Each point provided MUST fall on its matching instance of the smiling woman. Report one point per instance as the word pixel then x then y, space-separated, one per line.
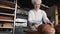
pixel 36 15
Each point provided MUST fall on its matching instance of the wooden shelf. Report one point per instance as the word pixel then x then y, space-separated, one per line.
pixel 7 7
pixel 6 27
pixel 7 14
pixel 7 20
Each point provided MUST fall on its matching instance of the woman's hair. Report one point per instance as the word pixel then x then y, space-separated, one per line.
pixel 33 1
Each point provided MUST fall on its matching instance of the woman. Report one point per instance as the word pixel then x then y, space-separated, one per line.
pixel 36 15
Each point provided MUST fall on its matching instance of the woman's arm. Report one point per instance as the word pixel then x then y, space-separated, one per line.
pixel 45 19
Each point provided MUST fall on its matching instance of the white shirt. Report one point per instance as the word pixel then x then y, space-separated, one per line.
pixel 37 16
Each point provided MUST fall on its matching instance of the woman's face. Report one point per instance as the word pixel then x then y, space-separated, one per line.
pixel 36 5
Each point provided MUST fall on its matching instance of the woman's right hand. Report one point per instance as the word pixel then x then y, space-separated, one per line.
pixel 35 25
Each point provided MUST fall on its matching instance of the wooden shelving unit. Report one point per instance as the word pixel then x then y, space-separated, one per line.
pixel 57 14
pixel 7 15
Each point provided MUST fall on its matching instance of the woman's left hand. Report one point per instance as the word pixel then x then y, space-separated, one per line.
pixel 50 24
